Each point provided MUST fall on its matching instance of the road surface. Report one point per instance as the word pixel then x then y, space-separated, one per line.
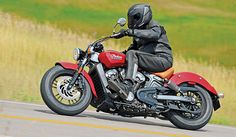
pixel 31 120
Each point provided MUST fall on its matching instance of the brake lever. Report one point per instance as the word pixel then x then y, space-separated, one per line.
pixel 114 35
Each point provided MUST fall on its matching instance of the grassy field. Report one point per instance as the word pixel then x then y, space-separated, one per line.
pixel 28 50
pixel 197 29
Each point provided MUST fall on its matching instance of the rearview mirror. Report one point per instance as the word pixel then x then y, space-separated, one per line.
pixel 121 22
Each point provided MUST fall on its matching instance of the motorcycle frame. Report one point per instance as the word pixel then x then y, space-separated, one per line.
pixel 177 78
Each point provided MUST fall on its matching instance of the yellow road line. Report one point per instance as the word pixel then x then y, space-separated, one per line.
pixel 92 125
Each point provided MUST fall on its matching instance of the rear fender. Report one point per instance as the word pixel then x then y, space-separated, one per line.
pixel 68 65
pixel 192 78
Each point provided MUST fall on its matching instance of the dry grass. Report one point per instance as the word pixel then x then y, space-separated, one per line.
pixel 28 50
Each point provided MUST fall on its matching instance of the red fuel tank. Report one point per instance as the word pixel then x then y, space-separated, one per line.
pixel 112 59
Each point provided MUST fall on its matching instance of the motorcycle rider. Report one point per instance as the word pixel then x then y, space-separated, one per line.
pixel 150 49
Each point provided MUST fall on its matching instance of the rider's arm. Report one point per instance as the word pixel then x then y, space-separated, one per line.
pixel 151 34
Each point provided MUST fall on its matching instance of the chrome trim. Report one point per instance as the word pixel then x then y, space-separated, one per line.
pixel 94 57
pixel 154 81
pixel 101 74
pixel 84 61
pixel 221 95
pixel 173 98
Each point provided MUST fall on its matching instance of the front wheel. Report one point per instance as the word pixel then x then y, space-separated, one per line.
pixel 60 100
pixel 193 121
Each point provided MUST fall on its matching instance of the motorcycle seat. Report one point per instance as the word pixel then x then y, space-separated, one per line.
pixel 165 74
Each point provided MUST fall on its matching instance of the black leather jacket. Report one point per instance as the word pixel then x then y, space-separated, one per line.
pixel 152 39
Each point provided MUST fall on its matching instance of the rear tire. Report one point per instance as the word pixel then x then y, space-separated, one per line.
pixel 53 103
pixel 180 121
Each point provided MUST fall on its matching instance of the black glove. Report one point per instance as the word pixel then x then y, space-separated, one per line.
pixel 121 34
pixel 130 32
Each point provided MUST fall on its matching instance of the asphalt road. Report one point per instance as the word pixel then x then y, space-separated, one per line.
pixel 31 120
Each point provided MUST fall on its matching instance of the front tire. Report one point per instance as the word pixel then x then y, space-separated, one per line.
pixel 181 121
pixel 56 101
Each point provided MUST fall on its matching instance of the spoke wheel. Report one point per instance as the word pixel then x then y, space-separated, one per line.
pixel 198 112
pixel 64 96
pixel 60 100
pixel 195 108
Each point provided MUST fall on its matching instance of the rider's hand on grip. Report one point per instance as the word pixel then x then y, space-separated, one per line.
pixel 121 34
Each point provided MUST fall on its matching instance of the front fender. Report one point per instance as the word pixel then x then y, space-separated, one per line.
pixel 183 77
pixel 68 65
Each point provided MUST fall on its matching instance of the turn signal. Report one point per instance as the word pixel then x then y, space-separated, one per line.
pixel 221 95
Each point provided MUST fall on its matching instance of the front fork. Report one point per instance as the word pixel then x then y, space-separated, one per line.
pixel 77 73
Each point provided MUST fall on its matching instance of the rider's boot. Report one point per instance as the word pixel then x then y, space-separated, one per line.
pixel 127 87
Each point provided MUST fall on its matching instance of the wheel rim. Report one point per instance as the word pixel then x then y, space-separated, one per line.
pixel 62 95
pixel 195 108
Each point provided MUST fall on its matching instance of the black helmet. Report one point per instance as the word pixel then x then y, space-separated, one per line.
pixel 139 15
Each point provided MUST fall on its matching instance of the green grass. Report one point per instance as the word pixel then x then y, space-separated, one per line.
pixel 203 30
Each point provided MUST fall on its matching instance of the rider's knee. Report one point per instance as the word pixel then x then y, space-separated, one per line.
pixel 131 52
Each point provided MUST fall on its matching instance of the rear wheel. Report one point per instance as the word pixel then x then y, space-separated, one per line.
pixel 60 100
pixel 199 111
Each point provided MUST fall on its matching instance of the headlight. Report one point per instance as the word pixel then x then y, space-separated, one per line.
pixel 76 54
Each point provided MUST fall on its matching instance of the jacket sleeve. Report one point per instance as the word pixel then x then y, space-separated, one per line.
pixel 153 33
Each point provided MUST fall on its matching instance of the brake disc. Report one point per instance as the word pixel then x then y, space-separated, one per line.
pixel 62 85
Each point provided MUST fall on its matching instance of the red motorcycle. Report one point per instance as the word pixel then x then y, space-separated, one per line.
pixel 185 99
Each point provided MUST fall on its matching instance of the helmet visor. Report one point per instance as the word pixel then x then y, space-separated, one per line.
pixel 134 20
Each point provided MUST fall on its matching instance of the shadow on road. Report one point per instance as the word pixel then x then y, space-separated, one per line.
pixel 115 118
pixel 52 113
pixel 128 120
pixel 110 117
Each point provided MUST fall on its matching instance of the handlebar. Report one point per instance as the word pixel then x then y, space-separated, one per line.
pixel 105 38
pixel 114 35
pixel 100 41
